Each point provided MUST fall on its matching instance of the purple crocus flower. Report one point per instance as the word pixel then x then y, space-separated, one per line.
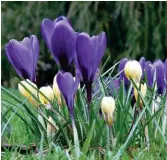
pixel 116 84
pixel 150 70
pixel 90 51
pixel 142 62
pixel 68 88
pixel 60 39
pixel 165 70
pixel 160 77
pixel 121 69
pixel 23 55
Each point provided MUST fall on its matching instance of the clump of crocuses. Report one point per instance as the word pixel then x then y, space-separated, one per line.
pixel 66 46
pixel 151 73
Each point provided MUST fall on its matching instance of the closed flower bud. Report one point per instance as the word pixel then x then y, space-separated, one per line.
pixel 33 101
pixel 48 92
pixel 27 90
pixel 108 107
pixel 143 90
pixel 133 70
pixel 24 86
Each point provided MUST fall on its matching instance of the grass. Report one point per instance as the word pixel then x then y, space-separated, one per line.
pixel 128 130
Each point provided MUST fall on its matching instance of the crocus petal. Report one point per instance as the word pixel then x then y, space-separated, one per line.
pixel 142 63
pixel 165 67
pixel 63 42
pixel 67 87
pixel 165 70
pixel 114 86
pixel 159 67
pixel 47 31
pixel 35 48
pixel 116 83
pixel 85 55
pixel 89 54
pixel 100 43
pixel 23 56
pixel 121 68
pixel 27 43
pixel 76 83
pixel 20 58
pixel 60 18
pixel 150 70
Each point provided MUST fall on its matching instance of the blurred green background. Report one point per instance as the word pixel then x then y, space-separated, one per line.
pixel 134 29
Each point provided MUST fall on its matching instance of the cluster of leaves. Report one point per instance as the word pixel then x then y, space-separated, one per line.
pixel 95 137
pixel 133 29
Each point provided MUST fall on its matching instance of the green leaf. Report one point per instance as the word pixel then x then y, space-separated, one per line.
pixel 88 139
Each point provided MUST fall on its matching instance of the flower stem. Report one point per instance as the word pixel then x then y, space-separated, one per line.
pixel 89 94
pixel 108 138
pixel 164 123
pixel 112 137
pixel 110 133
pixel 76 140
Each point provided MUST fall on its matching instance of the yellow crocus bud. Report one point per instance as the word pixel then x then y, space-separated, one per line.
pixel 56 91
pixel 143 90
pixel 48 92
pixel 33 101
pixel 133 70
pixel 108 107
pixel 24 86
pixel 23 90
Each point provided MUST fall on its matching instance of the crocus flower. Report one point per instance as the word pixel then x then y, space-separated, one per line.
pixel 133 70
pixel 56 91
pixel 48 92
pixel 90 51
pixel 143 90
pixel 165 71
pixel 160 77
pixel 108 108
pixel 60 39
pixel 27 89
pixel 23 55
pixel 142 62
pixel 68 87
pixel 121 69
pixel 114 86
pixel 150 70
